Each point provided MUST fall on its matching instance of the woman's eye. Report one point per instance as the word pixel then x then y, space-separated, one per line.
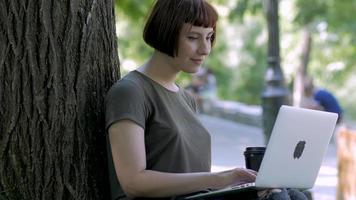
pixel 192 38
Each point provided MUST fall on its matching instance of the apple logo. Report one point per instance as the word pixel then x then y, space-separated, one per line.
pixel 299 148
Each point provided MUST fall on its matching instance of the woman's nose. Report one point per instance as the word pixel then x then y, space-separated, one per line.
pixel 204 47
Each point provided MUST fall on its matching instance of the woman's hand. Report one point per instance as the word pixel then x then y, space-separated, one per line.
pixel 243 175
pixel 236 176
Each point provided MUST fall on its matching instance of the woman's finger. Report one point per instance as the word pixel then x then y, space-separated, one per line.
pixel 262 193
pixel 252 171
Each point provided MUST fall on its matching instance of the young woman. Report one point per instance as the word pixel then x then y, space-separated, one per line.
pixel 159 149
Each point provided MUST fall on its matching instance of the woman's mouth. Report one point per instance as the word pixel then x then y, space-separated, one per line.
pixel 197 60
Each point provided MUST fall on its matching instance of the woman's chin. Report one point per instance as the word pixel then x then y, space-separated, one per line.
pixel 193 70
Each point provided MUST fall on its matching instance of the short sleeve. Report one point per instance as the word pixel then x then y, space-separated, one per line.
pixel 125 100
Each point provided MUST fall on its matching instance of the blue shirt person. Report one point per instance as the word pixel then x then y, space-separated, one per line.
pixel 323 99
pixel 328 101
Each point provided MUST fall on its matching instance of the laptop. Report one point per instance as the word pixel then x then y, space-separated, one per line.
pixel 294 153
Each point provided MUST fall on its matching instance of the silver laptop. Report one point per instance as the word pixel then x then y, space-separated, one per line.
pixel 294 153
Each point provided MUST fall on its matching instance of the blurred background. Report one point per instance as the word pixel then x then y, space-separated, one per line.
pixel 316 37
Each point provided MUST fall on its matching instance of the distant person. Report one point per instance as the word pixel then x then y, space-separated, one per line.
pixel 203 88
pixel 195 86
pixel 208 88
pixel 158 147
pixel 203 84
pixel 321 99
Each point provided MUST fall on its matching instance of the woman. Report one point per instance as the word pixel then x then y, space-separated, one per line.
pixel 159 148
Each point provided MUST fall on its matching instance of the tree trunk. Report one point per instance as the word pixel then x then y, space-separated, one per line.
pixel 57 60
pixel 302 71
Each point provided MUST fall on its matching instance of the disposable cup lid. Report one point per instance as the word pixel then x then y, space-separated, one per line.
pixel 255 149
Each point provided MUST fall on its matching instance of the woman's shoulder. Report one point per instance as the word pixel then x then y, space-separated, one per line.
pixel 129 85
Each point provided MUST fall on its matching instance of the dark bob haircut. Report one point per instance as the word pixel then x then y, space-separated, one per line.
pixel 167 18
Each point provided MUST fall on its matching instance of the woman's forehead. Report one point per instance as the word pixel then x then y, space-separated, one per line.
pixel 196 29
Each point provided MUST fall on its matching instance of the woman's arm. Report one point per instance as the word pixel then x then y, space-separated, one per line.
pixel 128 151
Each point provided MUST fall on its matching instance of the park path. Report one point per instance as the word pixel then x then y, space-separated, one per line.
pixel 229 140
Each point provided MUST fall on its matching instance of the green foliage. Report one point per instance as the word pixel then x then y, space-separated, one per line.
pixel 249 77
pixel 340 16
pixel 243 7
pixel 309 11
pixel 333 68
pixel 332 60
pixel 131 16
pixel 133 9
pixel 223 74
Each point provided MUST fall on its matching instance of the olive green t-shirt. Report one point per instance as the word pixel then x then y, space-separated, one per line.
pixel 175 140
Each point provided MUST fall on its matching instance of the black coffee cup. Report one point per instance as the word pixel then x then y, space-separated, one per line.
pixel 253 157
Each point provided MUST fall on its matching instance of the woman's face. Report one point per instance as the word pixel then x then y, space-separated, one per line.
pixel 194 45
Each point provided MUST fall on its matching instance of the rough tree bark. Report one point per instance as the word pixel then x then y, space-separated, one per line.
pixel 57 60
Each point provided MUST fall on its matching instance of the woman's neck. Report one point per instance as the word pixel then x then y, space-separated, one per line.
pixel 158 68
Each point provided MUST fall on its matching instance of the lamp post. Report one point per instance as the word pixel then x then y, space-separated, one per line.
pixel 275 93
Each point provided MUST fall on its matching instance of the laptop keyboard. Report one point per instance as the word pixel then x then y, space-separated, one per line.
pixel 242 185
pixel 202 194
